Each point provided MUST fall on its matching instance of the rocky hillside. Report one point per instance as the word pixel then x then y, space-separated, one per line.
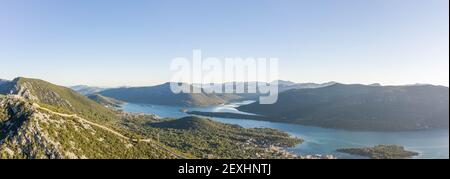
pixel 58 98
pixel 30 131
pixel 42 120
pixel 87 90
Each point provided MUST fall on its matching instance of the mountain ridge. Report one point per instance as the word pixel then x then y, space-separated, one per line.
pixel 162 94
pixel 87 90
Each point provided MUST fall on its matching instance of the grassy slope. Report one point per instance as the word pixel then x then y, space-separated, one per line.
pixel 65 100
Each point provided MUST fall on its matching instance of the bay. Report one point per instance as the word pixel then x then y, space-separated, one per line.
pixel 319 141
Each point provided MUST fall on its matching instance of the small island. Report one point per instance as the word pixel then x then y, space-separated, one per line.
pixel 381 152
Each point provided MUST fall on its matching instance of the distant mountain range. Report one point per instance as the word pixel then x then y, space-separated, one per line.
pixel 161 94
pixel 361 107
pixel 282 85
pixel 87 90
pixel 285 87
pixel 330 105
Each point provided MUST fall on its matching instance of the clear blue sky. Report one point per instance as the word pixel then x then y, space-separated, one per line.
pixel 119 42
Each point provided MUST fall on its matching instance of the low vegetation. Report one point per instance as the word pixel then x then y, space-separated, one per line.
pixel 205 138
pixel 42 120
pixel 381 152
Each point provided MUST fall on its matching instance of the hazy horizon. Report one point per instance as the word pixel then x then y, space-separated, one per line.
pixel 121 43
pixel 160 83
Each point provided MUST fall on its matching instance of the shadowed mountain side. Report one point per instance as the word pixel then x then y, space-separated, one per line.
pixel 361 107
pixel 163 95
pixel 105 101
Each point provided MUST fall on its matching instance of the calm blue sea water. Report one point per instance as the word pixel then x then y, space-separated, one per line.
pixel 430 144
